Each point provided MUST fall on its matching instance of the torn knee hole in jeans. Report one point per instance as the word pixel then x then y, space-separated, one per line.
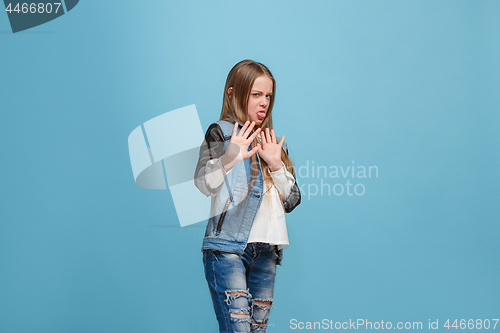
pixel 261 303
pixel 240 315
pixel 233 294
pixel 259 324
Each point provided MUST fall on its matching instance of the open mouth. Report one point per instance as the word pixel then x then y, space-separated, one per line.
pixel 261 115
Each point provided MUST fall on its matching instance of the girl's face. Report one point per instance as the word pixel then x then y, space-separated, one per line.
pixel 260 97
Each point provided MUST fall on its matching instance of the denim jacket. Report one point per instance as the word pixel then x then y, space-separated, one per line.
pixel 233 211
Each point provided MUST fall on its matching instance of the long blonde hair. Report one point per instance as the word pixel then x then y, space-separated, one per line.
pixel 235 107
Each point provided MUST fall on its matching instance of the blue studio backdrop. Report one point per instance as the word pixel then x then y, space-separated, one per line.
pixel 391 114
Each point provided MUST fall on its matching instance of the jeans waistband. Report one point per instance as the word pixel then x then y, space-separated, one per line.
pixel 259 244
pixel 263 246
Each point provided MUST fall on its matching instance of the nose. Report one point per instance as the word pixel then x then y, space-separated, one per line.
pixel 263 102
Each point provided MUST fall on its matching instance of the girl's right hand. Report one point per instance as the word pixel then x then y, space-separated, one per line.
pixel 237 150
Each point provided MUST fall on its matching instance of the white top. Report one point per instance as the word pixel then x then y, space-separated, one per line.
pixel 269 225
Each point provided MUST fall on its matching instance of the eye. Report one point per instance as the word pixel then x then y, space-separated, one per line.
pixel 256 94
pixel 269 96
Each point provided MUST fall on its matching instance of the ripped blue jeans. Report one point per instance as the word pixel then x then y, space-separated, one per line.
pixel 242 286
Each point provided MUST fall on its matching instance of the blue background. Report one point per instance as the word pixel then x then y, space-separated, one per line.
pixel 408 86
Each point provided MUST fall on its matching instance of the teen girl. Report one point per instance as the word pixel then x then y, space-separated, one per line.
pixel 251 180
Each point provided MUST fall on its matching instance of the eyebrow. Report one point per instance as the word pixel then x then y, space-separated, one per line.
pixel 262 92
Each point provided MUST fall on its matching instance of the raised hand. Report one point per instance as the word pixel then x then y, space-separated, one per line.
pixel 271 150
pixel 237 149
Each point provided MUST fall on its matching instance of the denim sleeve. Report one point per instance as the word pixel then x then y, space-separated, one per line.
pixel 293 199
pixel 211 148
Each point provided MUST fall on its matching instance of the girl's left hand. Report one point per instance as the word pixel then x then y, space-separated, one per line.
pixel 270 150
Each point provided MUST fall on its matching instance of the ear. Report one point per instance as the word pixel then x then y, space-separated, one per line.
pixel 229 91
